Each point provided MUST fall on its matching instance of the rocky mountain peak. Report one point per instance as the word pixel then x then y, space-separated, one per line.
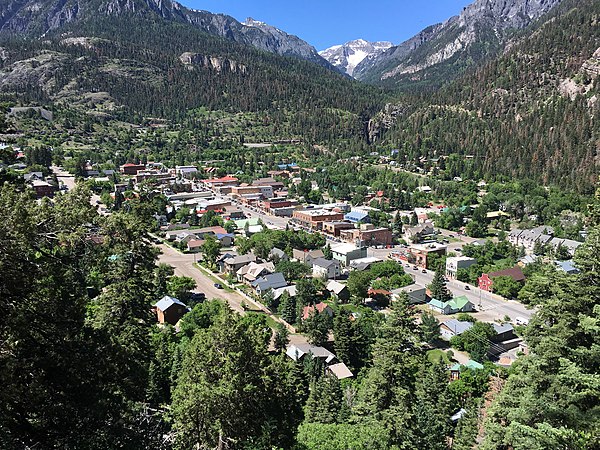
pixel 347 56
pixel 485 22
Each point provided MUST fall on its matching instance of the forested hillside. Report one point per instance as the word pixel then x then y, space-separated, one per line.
pixel 530 112
pixel 128 68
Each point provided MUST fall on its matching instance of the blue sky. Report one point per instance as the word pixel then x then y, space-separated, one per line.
pixel 324 23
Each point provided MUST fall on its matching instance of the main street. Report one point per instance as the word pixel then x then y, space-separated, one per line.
pixel 489 306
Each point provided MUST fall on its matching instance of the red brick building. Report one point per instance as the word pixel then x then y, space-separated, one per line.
pixel 486 280
pixel 131 169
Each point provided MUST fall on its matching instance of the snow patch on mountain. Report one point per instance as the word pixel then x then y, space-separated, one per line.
pixel 349 55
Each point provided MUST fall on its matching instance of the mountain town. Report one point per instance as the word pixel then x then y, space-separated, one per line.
pixel 374 246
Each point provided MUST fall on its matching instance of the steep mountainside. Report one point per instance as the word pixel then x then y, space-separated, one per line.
pixel 347 56
pixel 531 112
pixel 134 66
pixel 38 17
pixel 444 50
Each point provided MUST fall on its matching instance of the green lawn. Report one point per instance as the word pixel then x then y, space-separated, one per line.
pixel 436 354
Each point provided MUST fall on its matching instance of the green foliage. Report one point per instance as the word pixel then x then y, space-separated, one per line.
pixel 211 249
pixel 292 270
pixel 316 327
pixel 551 396
pixel 506 287
pixel 430 327
pixel 476 340
pixel 181 287
pixel 324 401
pixel 282 337
pixel 343 436
pixel 230 390
pixel 438 288
pixel 288 308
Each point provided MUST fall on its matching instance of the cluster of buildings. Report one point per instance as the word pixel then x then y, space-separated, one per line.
pixel 540 236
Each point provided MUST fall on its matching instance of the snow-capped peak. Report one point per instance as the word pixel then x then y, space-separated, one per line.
pixel 347 56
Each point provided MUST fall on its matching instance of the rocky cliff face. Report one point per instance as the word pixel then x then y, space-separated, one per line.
pixel 481 28
pixel 349 55
pixel 216 63
pixel 38 17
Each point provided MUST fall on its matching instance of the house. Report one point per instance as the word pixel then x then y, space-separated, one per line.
pixel 357 216
pixel 486 280
pixel 379 295
pixel 42 188
pixel 325 268
pixel 569 244
pixel 527 239
pixel 457 368
pixel 454 327
pixel 492 215
pixel 298 351
pixel 416 293
pixel 504 332
pixel 456 305
pixel 364 263
pixel 419 232
pixel 234 263
pixel 227 181
pixel 455 263
pixel 278 292
pixel 345 253
pixel 186 171
pixel 306 256
pixel 339 290
pixel 277 255
pixel 269 281
pixel 566 267
pixel 252 271
pixel 340 371
pixel 195 245
pixel 170 310
pixel 319 308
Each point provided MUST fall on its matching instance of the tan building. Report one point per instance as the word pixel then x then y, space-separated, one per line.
pixel 314 218
pixel 335 228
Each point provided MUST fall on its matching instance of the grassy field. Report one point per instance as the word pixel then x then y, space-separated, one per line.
pixel 435 355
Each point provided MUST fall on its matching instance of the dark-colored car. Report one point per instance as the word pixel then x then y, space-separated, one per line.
pixel 467 287
pixel 415 268
pixel 424 271
pixel 218 285
pixel 198 296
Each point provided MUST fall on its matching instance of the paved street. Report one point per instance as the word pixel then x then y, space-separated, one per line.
pixel 183 264
pixel 490 307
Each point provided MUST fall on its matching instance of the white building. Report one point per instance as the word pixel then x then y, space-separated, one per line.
pixel 345 253
pixel 453 264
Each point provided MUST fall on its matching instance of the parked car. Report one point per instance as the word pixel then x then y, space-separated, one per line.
pixel 424 271
pixel 467 287
pixel 218 285
pixel 415 268
pixel 198 296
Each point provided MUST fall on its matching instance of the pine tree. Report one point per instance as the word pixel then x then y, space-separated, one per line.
pixel 438 288
pixel 288 308
pixel 281 338
pixel 324 401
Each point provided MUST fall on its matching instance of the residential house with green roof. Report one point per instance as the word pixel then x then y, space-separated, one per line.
pixel 456 305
